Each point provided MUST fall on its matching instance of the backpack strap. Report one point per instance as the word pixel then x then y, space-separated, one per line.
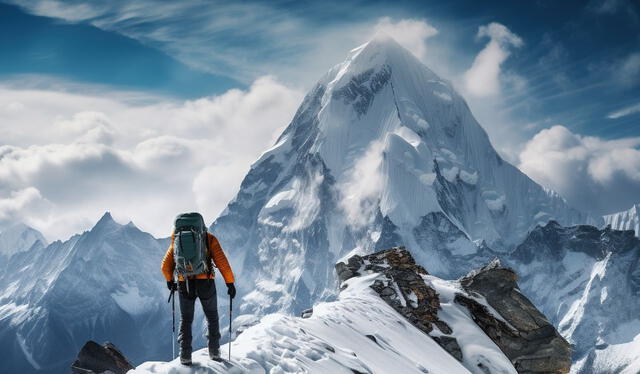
pixel 208 256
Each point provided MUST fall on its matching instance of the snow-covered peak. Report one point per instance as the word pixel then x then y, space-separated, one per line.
pixel 625 220
pixel 105 225
pixel 106 219
pixel 18 238
pixel 381 153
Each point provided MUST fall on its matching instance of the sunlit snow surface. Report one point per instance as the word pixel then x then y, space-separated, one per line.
pixel 359 333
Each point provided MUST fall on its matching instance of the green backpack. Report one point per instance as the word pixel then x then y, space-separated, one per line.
pixel 191 245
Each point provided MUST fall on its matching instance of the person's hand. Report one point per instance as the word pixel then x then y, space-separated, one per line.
pixel 172 286
pixel 231 290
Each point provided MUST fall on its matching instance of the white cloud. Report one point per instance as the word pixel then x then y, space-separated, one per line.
pixel 145 162
pixel 18 202
pixel 627 111
pixel 411 33
pixel 483 78
pixel 597 175
pixel 361 190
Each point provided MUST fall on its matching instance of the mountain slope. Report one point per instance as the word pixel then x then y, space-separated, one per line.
pixel 587 281
pixel 104 284
pixel 381 153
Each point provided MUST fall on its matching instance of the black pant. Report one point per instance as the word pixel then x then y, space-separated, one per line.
pixel 205 290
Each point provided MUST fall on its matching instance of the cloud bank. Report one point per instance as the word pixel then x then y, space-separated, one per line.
pixel 75 156
pixel 593 174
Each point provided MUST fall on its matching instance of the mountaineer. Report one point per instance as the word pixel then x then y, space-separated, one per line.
pixel 191 255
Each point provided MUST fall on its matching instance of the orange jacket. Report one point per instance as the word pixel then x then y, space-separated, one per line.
pixel 215 251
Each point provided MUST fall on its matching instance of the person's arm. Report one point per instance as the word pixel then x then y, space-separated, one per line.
pixel 168 264
pixel 218 257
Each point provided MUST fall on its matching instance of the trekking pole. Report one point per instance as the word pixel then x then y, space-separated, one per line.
pixel 230 311
pixel 173 323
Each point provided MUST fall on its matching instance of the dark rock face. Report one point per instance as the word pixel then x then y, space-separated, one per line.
pixel 362 88
pixel 404 290
pixel 525 335
pixel 490 294
pixel 97 359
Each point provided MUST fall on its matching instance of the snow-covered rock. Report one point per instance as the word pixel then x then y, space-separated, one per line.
pixel 382 152
pixel 521 331
pixel 587 282
pixel 625 220
pixel 490 296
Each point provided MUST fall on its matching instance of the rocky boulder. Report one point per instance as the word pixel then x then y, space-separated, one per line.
pixel 521 331
pixel 490 295
pixel 100 359
pixel 402 287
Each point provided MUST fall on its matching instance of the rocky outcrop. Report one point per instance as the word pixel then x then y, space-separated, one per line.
pixel 402 287
pixel 521 331
pixel 491 296
pixel 100 359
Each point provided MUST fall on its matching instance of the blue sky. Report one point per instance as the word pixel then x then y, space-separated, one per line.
pixel 555 83
pixel 572 57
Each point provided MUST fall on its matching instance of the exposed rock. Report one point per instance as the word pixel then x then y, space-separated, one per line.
pixel 307 313
pixel 100 359
pixel 521 331
pixel 404 290
pixel 450 344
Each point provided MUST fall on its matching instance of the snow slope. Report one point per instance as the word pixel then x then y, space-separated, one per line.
pixel 358 333
pixel 381 153
pixel 587 282
pixel 626 220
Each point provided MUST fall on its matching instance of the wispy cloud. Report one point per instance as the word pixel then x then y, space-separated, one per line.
pixel 624 111
pixel 412 33
pixel 483 78
pixel 626 72
pixel 242 40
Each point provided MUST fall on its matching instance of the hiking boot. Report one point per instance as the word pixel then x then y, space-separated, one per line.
pixel 214 354
pixel 185 359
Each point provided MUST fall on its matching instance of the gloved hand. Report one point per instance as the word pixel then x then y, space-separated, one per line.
pixel 172 286
pixel 231 290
